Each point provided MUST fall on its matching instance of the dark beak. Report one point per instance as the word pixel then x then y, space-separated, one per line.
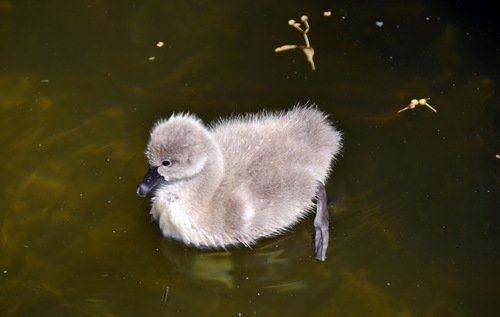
pixel 150 181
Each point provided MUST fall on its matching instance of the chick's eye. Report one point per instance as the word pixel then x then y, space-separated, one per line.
pixel 166 163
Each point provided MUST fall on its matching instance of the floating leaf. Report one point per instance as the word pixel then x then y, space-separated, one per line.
pixel 286 48
pixel 309 51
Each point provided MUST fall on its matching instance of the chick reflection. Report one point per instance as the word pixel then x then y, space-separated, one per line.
pixel 226 266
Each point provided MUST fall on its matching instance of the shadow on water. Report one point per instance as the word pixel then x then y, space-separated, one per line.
pixel 414 196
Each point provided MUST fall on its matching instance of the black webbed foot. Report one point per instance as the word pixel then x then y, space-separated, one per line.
pixel 321 224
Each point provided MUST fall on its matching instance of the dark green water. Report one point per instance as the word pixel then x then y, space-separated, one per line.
pixel 415 196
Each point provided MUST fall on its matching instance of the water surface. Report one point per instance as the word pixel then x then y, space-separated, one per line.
pixel 414 196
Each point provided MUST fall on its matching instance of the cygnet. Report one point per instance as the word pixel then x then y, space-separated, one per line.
pixel 241 178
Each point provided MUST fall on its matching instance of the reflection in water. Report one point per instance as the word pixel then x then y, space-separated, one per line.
pixel 214 267
pixel 413 198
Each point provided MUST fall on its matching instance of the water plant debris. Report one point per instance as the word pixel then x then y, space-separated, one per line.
pixel 417 102
pixel 307 49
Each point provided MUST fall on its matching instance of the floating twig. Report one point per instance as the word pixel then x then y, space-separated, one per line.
pixel 164 297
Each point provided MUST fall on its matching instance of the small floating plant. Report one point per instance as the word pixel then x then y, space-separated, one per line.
pixel 307 49
pixel 417 102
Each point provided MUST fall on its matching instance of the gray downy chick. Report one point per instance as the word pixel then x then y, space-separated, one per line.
pixel 242 178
